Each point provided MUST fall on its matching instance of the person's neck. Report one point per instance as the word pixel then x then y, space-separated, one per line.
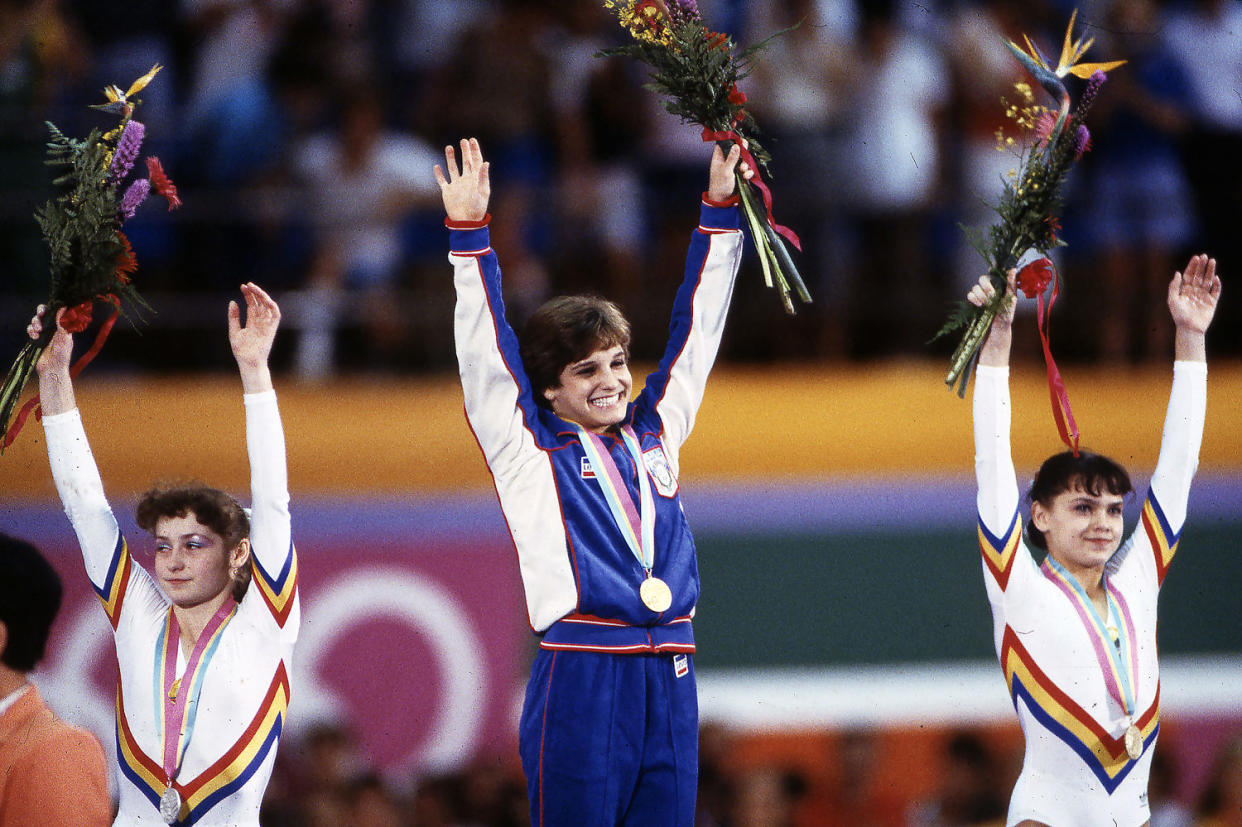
pixel 10 680
pixel 1091 578
pixel 193 619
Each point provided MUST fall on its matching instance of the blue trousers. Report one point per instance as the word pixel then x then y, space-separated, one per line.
pixel 610 740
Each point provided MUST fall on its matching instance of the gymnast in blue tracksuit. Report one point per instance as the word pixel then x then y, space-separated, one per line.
pixel 588 483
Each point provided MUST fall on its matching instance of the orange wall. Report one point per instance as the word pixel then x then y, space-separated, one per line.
pixel 386 435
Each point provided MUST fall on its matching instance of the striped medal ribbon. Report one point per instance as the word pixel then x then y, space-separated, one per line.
pixel 1117 657
pixel 177 695
pixel 637 524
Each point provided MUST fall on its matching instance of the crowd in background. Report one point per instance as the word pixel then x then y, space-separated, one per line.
pixel 322 781
pixel 302 135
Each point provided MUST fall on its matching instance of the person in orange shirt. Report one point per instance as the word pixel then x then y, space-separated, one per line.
pixel 51 773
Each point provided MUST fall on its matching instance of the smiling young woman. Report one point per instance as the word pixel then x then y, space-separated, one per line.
pixel 587 481
pixel 203 669
pixel 1076 631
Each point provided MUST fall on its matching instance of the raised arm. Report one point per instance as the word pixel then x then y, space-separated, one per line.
pixel 270 532
pixel 1192 300
pixel 499 403
pixel 676 389
pixel 73 466
pixel 994 471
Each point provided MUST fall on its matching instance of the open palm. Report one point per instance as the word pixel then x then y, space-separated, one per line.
pixel 1193 294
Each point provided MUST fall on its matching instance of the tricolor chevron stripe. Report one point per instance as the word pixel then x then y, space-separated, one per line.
pixel 112 593
pixel 278 592
pixel 226 775
pixel 1162 536
pixel 998 552
pixel 1055 711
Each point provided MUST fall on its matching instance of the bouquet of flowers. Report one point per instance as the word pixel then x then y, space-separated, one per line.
pixel 91 259
pixel 697 71
pixel 1052 142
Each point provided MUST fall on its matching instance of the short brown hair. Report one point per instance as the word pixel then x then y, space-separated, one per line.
pixel 1066 471
pixel 565 330
pixel 210 506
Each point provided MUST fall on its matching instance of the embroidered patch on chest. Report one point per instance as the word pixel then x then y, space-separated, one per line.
pixel 661 470
pixel 588 473
pixel 681 666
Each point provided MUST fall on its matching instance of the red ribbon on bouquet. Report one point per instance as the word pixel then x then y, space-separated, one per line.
pixel 757 181
pixel 1033 281
pixel 75 320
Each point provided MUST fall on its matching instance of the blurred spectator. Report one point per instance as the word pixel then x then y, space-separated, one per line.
pixel 1139 203
pixel 1221 802
pixel 767 797
pixel 40 54
pixel 983 71
pixel 368 803
pixel 800 94
pixel 894 159
pixel 715 796
pixel 1166 809
pixel 360 183
pixel 601 122
pixel 51 773
pixel 1206 36
pixel 969 792
pixel 855 796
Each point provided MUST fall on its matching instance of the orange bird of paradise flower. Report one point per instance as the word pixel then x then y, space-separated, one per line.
pixel 119 102
pixel 1049 78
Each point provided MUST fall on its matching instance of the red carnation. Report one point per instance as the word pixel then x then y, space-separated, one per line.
pixel 161 182
pixel 1034 277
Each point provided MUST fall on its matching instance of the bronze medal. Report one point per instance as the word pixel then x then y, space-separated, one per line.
pixel 1134 742
pixel 655 594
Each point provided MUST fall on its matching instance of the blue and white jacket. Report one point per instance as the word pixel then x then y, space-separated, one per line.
pixel 580 577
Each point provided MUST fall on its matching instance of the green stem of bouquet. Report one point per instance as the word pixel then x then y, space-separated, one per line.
pixel 15 382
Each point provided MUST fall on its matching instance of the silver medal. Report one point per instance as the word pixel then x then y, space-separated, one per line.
pixel 170 805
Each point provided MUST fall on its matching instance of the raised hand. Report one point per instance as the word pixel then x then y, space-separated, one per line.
pixel 252 344
pixel 467 190
pixel 59 351
pixel 721 177
pixel 995 349
pixel 55 384
pixel 1193 294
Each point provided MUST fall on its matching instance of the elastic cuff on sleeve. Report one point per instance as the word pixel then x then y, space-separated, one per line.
pixel 469 238
pixel 468 225
pixel 731 201
pixel 992 370
pixel 714 216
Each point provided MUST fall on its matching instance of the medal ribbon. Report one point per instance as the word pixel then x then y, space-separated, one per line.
pixel 637 527
pixel 1120 668
pixel 1032 280
pixel 173 709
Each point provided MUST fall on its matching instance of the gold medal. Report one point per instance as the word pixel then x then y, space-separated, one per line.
pixel 170 805
pixel 655 594
pixel 1134 742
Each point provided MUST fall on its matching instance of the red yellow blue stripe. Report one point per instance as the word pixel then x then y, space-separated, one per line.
pixel 226 775
pixel 278 592
pixel 998 552
pixel 1103 754
pixel 112 593
pixel 235 767
pixel 1163 538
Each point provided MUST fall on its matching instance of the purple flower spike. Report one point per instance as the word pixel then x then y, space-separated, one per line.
pixel 135 195
pixel 126 151
pixel 1082 141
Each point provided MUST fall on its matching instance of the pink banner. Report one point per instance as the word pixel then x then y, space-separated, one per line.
pixel 420 649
